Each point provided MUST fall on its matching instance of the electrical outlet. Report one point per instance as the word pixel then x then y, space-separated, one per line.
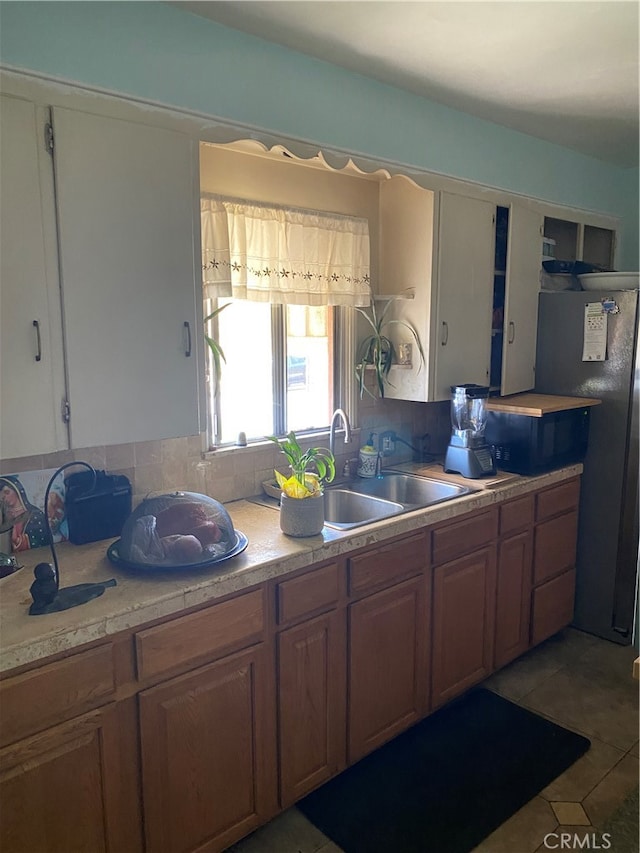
pixel 388 442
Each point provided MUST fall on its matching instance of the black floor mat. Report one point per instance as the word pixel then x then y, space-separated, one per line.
pixel 448 782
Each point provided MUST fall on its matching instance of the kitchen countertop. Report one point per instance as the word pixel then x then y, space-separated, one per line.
pixel 140 597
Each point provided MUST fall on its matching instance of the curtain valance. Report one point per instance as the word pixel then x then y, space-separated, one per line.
pixel 267 253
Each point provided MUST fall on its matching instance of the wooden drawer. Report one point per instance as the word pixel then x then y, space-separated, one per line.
pixel 516 515
pixel 55 692
pixel 557 499
pixel 199 637
pixel 463 537
pixel 312 592
pixel 552 607
pixel 554 546
pixel 388 564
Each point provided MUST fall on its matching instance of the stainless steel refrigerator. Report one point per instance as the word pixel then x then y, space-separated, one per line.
pixel 607 559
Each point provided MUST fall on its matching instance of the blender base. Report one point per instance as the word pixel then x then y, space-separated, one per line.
pixel 471 462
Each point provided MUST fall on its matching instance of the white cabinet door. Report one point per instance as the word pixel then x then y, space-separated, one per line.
pixel 524 257
pixel 466 242
pixel 31 362
pixel 127 209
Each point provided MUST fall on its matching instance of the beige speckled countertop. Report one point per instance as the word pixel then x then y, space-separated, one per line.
pixel 139 598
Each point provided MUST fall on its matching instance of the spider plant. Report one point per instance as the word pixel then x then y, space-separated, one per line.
pixel 214 346
pixel 377 349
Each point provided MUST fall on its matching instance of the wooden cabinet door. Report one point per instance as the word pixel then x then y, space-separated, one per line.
pixel 555 546
pixel 462 345
pixel 208 755
pixel 31 363
pixel 387 665
pixel 74 788
pixel 127 205
pixel 463 624
pixel 552 606
pixel 513 598
pixel 521 300
pixel 311 704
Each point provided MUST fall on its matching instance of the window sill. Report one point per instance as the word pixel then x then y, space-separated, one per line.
pixel 321 437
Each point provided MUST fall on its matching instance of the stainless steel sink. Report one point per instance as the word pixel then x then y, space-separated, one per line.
pixel 347 508
pixel 355 503
pixel 410 490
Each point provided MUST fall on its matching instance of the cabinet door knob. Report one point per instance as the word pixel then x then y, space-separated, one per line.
pixel 445 333
pixel 36 326
pixel 187 351
pixel 512 332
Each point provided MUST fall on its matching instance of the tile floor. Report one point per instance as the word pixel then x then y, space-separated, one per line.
pixel 577 680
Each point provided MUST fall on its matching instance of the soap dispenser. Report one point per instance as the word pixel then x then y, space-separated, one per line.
pixel 368 459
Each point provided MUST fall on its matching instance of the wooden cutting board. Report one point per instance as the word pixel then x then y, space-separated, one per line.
pixel 436 470
pixel 537 405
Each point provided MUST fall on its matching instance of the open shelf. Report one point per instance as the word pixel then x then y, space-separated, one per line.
pixel 410 293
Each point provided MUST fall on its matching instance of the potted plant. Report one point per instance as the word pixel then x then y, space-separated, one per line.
pixel 302 496
pixel 377 350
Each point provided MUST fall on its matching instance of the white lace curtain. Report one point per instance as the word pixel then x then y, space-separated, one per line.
pixel 274 254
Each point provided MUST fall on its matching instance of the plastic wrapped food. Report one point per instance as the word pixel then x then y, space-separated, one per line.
pixel 177 529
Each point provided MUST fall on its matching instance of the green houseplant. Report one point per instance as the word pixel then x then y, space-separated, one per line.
pixel 217 353
pixel 377 350
pixel 302 496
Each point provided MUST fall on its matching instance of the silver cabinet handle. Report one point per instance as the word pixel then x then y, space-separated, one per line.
pixel 187 351
pixel 445 333
pixel 36 326
pixel 512 332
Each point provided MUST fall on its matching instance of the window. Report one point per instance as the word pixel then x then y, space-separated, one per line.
pixel 279 369
pixel 290 278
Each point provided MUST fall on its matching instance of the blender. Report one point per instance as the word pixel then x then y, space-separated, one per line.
pixel 468 452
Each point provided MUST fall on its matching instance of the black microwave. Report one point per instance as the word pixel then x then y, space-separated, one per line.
pixel 524 444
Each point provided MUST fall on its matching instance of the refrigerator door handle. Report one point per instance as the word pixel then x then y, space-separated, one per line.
pixel 512 332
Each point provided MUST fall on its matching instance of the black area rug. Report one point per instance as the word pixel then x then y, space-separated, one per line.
pixel 447 783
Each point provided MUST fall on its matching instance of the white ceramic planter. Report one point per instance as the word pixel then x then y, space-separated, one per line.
pixel 301 516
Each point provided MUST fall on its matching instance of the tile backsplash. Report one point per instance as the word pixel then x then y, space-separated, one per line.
pixel 232 473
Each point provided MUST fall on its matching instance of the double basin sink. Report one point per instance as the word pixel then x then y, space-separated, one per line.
pixel 353 504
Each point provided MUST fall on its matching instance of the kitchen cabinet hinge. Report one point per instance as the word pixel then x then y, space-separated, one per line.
pixel 66 411
pixel 48 137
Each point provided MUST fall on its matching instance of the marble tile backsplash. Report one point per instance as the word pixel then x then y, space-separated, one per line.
pixel 232 473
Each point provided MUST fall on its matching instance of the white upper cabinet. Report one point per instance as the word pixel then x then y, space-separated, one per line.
pixel 406 250
pixel 127 214
pixel 466 239
pixel 31 361
pixel 524 250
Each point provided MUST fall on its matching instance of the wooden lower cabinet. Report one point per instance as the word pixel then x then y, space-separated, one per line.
pixel 555 546
pixel 554 559
pixel 208 754
pixel 311 704
pixel 74 788
pixel 388 665
pixel 463 624
pixel 513 598
pixel 202 727
pixel 552 606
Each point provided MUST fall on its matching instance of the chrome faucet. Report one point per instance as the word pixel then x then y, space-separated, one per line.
pixel 339 414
